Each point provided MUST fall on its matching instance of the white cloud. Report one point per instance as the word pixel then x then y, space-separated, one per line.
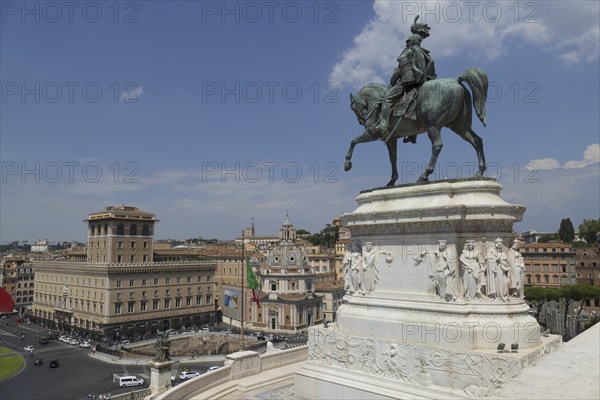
pixel 569 29
pixel 590 156
pixel 545 163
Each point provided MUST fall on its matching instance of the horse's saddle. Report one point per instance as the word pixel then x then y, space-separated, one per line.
pixel 405 107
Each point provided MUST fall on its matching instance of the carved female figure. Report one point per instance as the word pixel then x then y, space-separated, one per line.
pixel 471 261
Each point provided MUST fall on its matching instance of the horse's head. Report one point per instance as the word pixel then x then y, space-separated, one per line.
pixel 364 104
pixel 360 108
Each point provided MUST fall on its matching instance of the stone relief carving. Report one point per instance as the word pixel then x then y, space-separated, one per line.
pixel 417 364
pixel 473 270
pixel 483 271
pixel 442 269
pixel 371 264
pixel 361 270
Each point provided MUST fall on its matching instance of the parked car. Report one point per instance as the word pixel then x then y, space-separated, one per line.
pixel 185 375
pixel 85 344
pixel 39 361
pixel 54 364
pixel 205 329
pixel 279 338
pixel 212 368
pixel 44 340
pixel 30 349
pixel 73 342
pixel 126 381
pixel 260 336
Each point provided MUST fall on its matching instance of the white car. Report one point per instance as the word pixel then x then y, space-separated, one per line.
pixel 74 342
pixel 85 344
pixel 213 369
pixel 184 376
pixel 30 349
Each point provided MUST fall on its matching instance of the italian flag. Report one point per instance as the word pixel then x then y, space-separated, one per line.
pixel 252 282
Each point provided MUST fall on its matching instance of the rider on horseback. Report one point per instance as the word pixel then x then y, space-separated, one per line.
pixel 415 67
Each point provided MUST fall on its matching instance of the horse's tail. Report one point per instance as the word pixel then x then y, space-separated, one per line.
pixel 478 82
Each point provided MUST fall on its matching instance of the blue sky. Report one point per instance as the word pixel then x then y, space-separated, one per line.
pixel 212 113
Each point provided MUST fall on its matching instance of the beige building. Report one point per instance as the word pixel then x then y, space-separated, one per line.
pixel 118 299
pixel 288 300
pixel 548 264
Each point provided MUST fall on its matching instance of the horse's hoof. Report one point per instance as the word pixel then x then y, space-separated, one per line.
pixel 347 166
pixel 479 175
pixel 422 179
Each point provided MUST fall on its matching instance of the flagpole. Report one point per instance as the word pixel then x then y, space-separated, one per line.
pixel 243 299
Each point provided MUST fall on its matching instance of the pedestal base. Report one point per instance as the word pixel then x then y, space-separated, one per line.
pixel 359 367
pixel 160 376
pixel 434 303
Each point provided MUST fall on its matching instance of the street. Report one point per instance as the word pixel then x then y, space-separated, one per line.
pixel 77 376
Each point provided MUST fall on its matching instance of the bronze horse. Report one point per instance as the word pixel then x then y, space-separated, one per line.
pixel 440 103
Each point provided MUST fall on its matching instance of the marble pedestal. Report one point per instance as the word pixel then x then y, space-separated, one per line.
pixel 160 376
pixel 408 326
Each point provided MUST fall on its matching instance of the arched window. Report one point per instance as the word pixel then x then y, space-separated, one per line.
pixel 145 230
pixel 133 230
pixel 120 229
pixel 105 230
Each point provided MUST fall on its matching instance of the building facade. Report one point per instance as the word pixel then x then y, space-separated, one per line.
pixel 549 264
pixel 288 300
pixel 18 281
pixel 109 297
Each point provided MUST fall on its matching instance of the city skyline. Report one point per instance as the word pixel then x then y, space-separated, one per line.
pixel 211 114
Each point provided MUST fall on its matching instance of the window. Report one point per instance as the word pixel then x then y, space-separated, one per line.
pixel 188 301
pixel 117 308
pixel 198 300
pixel 130 307
pixel 208 298
pixel 156 281
pixel 143 305
pixel 177 303
pixel 167 292
pixel 120 244
pixel 155 304
pixel 145 258
pixel 167 280
pixel 119 283
pixel 145 245
pixel 189 279
pixel 132 258
pixel 133 230
pixel 119 258
pixel 145 231
pixel 144 282
pixel 178 280
pixel 208 278
pixel 131 282
pixel 120 229
pixel 167 303
pixel 132 245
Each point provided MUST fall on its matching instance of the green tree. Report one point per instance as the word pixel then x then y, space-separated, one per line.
pixel 589 229
pixel 566 232
pixel 579 294
pixel 538 296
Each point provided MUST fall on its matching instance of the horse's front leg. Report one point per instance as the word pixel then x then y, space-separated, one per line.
pixel 436 146
pixel 362 138
pixel 392 151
